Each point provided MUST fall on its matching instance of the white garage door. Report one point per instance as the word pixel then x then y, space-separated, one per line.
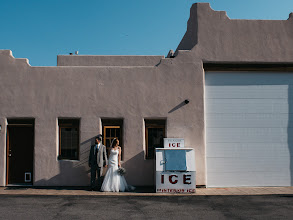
pixel 249 128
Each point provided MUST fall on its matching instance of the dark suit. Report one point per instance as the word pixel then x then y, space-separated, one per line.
pixel 97 158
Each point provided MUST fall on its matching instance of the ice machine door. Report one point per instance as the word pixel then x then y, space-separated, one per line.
pixel 175 160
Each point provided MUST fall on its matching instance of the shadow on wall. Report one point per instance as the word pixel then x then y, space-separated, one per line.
pixel 72 173
pixel 139 172
pixel 185 102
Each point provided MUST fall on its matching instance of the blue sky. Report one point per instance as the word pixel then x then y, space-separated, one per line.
pixel 40 30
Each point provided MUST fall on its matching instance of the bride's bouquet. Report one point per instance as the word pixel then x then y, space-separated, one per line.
pixel 121 171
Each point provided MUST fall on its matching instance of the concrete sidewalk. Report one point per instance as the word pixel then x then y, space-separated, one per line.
pixel 143 191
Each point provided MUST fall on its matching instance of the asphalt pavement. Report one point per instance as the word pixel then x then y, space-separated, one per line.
pixel 146 207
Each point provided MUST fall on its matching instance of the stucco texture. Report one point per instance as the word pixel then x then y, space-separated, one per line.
pixel 92 93
pixel 212 37
pixel 134 88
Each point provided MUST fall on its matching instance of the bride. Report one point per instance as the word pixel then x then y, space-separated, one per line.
pixel 113 182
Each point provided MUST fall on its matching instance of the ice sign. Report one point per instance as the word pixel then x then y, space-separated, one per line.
pixel 173 143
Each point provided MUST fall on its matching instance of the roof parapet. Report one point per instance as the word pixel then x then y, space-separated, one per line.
pixel 213 36
pixel 9 55
pixel 100 60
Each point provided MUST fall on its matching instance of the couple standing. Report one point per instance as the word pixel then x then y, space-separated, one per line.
pixel 113 181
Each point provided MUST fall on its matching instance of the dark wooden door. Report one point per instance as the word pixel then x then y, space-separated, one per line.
pixel 20 150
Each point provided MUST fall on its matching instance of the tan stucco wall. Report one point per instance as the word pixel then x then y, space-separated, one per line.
pixel 137 88
pixel 92 93
pixel 212 37
pixel 83 60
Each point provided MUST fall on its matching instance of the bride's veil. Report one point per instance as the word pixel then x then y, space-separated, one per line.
pixel 111 146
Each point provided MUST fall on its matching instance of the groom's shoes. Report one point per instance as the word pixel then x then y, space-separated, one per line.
pixel 92 189
pixel 95 189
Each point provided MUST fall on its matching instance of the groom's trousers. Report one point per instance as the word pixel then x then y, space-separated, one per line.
pixel 95 171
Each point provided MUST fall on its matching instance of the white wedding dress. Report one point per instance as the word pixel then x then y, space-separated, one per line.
pixel 113 182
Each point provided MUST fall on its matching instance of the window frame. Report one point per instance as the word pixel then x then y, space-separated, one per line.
pixel 69 123
pixel 113 123
pixel 104 132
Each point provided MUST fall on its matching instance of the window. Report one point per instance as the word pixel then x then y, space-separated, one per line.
pixel 113 128
pixel 154 136
pixel 68 139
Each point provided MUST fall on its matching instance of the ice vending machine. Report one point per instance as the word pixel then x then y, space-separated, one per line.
pixel 175 167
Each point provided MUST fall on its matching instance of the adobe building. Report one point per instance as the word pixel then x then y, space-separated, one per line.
pixel 236 74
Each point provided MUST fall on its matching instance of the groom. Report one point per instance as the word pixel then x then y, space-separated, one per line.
pixel 96 161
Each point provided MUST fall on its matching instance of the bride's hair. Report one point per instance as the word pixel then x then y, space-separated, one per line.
pixel 114 142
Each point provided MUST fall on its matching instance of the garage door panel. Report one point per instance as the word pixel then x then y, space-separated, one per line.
pixel 248 78
pixel 247 164
pixel 248 179
pixel 248 106
pixel 249 127
pixel 248 92
pixel 249 120
pixel 252 150
pixel 248 135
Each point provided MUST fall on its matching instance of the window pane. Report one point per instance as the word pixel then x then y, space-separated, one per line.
pixel 155 140
pixel 69 139
pixel 113 132
pixel 155 133
pixel 117 133
pixel 108 142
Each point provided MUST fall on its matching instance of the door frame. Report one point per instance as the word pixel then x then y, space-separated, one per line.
pixel 19 122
